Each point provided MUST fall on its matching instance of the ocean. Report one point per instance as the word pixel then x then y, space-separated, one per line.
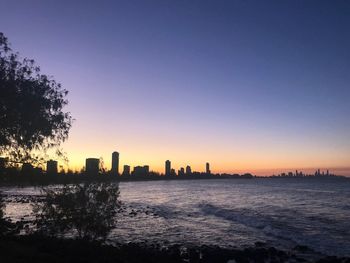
pixel 283 212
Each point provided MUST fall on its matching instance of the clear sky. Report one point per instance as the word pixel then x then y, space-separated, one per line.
pixel 255 86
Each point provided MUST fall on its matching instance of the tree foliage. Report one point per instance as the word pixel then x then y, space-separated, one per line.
pixel 32 119
pixel 87 210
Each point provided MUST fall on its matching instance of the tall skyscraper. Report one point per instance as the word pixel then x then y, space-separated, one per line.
pixel 115 163
pixel 167 167
pixel 51 167
pixel 181 172
pixel 207 170
pixel 92 166
pixel 188 170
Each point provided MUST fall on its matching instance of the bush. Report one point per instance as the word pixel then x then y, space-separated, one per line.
pixel 85 210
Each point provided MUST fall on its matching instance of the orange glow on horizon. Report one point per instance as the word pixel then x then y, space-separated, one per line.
pixel 239 154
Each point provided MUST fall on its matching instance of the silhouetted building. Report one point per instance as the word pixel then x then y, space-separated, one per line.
pixel 92 166
pixel 51 167
pixel 188 170
pixel 27 169
pixel 126 170
pixel 115 163
pixel 3 162
pixel 38 170
pixel 141 170
pixel 247 175
pixel 172 172
pixel 181 172
pixel 207 168
pixel 167 167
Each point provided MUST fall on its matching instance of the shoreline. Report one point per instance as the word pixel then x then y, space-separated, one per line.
pixel 45 180
pixel 35 248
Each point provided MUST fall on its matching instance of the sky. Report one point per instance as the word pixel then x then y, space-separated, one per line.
pixel 249 86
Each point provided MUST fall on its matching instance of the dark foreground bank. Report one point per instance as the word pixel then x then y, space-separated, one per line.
pixel 42 249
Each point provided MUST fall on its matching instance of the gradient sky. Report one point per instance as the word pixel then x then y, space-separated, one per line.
pixel 256 86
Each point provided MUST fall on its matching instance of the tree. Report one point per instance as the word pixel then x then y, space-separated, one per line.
pixel 32 119
pixel 87 209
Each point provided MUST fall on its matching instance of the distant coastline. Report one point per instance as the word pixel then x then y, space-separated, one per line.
pixel 21 179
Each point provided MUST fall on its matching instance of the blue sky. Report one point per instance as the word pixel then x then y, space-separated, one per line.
pixel 247 85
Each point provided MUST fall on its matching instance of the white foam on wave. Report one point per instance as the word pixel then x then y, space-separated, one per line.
pixel 282 230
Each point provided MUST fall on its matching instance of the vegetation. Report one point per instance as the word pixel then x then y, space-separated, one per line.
pixel 87 210
pixel 32 119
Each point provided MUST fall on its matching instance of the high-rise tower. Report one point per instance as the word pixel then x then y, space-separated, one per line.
pixel 207 170
pixel 167 167
pixel 188 170
pixel 51 167
pixel 115 163
pixel 92 166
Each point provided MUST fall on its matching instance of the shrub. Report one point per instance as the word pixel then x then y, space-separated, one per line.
pixel 85 210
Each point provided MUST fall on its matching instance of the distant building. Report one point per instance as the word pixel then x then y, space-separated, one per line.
pixel 167 167
pixel 181 172
pixel 38 170
pixel 51 167
pixel 141 170
pixel 138 170
pixel 188 170
pixel 126 170
pixel 92 166
pixel 207 168
pixel 27 169
pixel 115 163
pixel 172 172
pixel 3 162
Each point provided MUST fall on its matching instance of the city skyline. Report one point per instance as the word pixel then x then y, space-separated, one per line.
pixel 259 87
pixel 94 165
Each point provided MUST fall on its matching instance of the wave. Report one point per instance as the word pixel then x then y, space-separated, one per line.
pixel 295 231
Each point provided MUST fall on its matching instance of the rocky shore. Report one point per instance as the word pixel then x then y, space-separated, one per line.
pixel 39 249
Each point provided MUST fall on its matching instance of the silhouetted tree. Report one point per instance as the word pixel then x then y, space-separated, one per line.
pixel 87 209
pixel 31 103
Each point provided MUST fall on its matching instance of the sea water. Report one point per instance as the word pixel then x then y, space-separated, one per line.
pixel 281 212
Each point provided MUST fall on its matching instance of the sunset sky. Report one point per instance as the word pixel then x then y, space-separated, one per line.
pixel 249 86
